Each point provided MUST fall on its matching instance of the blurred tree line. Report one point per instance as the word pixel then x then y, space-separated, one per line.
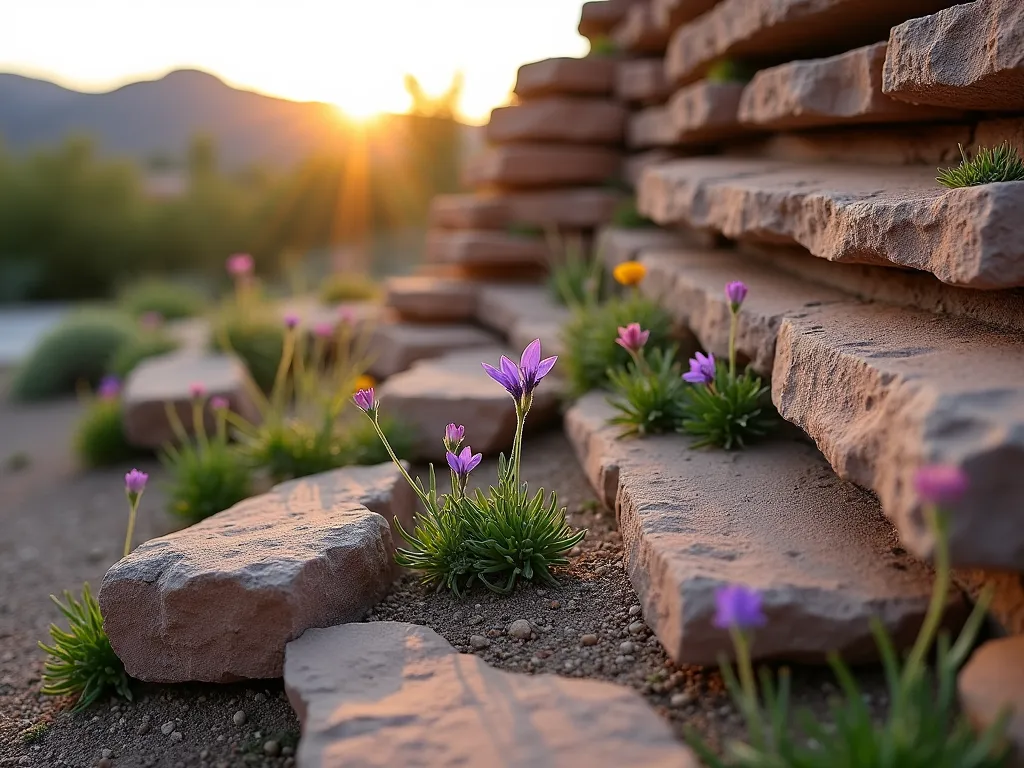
pixel 74 225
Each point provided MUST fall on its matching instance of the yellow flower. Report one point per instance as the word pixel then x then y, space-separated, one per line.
pixel 629 272
pixel 364 382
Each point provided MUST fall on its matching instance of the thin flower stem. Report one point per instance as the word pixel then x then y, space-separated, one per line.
pixel 746 674
pixel 733 323
pixel 222 428
pixel 287 353
pixel 133 507
pixel 394 458
pixel 517 445
pixel 199 423
pixel 938 523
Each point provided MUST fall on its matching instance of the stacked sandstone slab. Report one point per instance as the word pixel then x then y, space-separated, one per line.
pixel 886 313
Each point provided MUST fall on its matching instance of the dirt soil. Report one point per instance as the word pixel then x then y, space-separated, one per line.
pixel 62 526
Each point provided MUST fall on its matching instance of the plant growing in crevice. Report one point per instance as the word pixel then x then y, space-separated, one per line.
pixel 724 408
pixel 729 71
pixel 603 47
pixel 988 166
pixel 647 395
pixel 575 276
pixel 626 216
pixel 923 727
pixel 495 537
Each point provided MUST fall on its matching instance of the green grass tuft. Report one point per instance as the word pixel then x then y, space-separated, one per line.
pixel 99 436
pixel 340 288
pixel 206 478
pixel 170 300
pixel 988 166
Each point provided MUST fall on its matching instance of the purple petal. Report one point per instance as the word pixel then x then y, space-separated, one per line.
pixel 453 462
pixel 474 462
pixel 545 367
pixel 531 356
pixel 495 374
pixel 509 369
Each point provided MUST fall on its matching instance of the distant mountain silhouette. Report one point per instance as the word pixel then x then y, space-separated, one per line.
pixel 160 117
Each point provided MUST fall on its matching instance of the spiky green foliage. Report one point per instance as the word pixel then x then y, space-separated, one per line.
pixel 988 166
pixel 292 448
pixel 147 344
pixel 626 216
pixel 257 338
pixel 99 435
pixel 649 398
pixel 729 71
pixel 339 288
pixel 78 351
pixel 81 661
pixel 575 274
pixel 171 300
pixel 589 338
pixel 206 477
pixel 729 415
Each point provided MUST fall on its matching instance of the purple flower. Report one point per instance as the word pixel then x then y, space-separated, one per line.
pixel 940 483
pixel 219 403
pixel 702 370
pixel 632 338
pixel 151 320
pixel 240 264
pixel 454 434
pixel 196 390
pixel 463 463
pixel 291 320
pixel 520 381
pixel 324 330
pixel 735 292
pixel 739 607
pixel 135 483
pixel 109 388
pixel 366 400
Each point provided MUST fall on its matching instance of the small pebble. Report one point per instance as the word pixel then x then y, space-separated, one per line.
pixel 681 699
pixel 637 627
pixel 479 642
pixel 589 640
pixel 634 610
pixel 286 750
pixel 239 718
pixel 204 754
pixel 520 629
pixel 271 748
pixel 107 753
pixel 176 736
pixel 143 728
pixel 626 646
pixel 259 698
pixel 167 727
pixel 475 620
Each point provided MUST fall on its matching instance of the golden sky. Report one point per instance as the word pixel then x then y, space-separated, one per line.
pixel 353 53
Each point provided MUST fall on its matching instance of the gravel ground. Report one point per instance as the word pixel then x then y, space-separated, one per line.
pixel 63 526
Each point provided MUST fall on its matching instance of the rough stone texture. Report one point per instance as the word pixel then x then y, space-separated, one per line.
pixel 616 245
pixel 218 601
pixel 641 81
pixel 399 345
pixel 582 208
pixel 690 284
pixel 638 33
pixel 767 32
pixel 900 287
pixel 883 390
pixel 592 76
pixel 542 165
pixel 932 145
pixel 970 56
pixel 432 299
pixel 706 112
pixel 559 118
pixel 650 127
pixel 484 248
pixel 454 388
pixel 1006 611
pixel 634 165
pixel 167 379
pixel 988 133
pixel 523 313
pixel 669 14
pixel 773 517
pixel 393 694
pixel 599 17
pixel 844 89
pixel 896 217
pixel 991 682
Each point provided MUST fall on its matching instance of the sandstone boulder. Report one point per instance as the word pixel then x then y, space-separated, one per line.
pixel 523 313
pixel 542 165
pixel 455 388
pixel 592 76
pixel 390 694
pixel 581 208
pixel 993 682
pixel 617 244
pixel 970 56
pixel 639 33
pixel 599 17
pixel 669 14
pixel 650 127
pixel 641 81
pixel 398 345
pixel 558 119
pixel 218 601
pixel 485 248
pixel 468 212
pixel 432 299
pixel 880 146
pixel 706 112
pixel 168 379
pixel 774 518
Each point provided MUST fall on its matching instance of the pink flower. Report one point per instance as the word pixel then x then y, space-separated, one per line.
pixel 366 400
pixel 219 403
pixel 240 265
pixel 632 338
pixel 150 321
pixel 735 292
pixel 109 388
pixel 196 390
pixel 739 607
pixel 135 482
pixel 291 320
pixel 940 483
pixel 324 330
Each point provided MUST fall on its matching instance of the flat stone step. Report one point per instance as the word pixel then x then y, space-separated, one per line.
pixel 896 216
pixel 391 694
pixel 432 299
pixel 767 32
pixel 639 32
pixel 542 165
pixel 168 379
pixel 991 682
pixel 581 208
pixel 559 119
pixel 218 601
pixel 650 127
pixel 670 14
pixel 706 112
pixel 618 244
pixel 599 17
pixel 522 313
pixel 634 165
pixel 455 388
pixel 484 248
pixel 970 56
pixel 592 76
pixel 398 345
pixel 839 90
pixel 641 81
pixel 773 517
pixel 880 389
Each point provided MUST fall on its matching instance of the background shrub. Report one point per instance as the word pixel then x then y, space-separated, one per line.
pixel 339 287
pixel 80 349
pixel 169 299
pixel 257 339
pixel 137 349
pixel 99 436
